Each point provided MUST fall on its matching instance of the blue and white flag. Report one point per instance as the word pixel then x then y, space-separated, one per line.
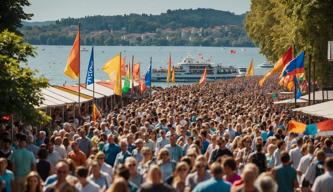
pixel 148 77
pixel 90 73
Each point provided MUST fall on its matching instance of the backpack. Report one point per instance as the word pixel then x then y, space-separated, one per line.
pixel 319 169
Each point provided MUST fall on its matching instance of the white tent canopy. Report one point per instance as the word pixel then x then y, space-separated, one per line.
pixel 319 95
pixel 322 109
pixel 289 101
pixel 101 89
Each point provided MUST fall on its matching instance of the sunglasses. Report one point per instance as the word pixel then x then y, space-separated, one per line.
pixel 132 165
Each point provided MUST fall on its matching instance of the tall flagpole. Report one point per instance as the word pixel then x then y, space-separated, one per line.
pixel 151 86
pixel 131 75
pixel 93 54
pixel 79 77
pixel 121 81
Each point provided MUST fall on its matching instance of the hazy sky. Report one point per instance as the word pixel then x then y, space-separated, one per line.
pixel 44 10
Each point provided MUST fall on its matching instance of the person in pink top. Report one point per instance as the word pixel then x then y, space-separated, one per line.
pixel 229 168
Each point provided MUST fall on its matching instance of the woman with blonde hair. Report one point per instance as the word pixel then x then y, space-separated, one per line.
pixel 166 164
pixel 146 162
pixel 179 176
pixel 249 175
pixel 119 185
pixel 33 182
pixel 154 181
pixel 199 174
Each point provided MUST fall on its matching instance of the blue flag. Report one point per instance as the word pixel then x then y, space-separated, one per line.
pixel 148 77
pixel 295 66
pixel 90 73
pixel 298 90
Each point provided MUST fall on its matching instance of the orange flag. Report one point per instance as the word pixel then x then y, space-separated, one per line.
pixel 203 77
pixel 169 70
pixel 143 86
pixel 285 59
pixel 136 72
pixel 95 113
pixel 72 68
pixel 296 127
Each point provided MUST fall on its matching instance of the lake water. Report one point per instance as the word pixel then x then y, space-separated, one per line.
pixel 51 60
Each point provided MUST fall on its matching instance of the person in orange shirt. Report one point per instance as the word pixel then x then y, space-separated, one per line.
pixel 77 155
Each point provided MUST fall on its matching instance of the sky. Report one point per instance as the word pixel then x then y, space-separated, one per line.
pixel 47 10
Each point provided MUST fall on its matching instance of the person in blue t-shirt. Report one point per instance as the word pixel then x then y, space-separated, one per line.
pixel 111 150
pixel 6 176
pixel 214 184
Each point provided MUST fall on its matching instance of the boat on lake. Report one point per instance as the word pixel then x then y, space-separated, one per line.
pixel 266 65
pixel 190 70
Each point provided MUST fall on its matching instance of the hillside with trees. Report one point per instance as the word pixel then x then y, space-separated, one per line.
pixel 199 27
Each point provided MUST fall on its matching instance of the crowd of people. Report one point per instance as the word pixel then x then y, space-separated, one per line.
pixel 223 136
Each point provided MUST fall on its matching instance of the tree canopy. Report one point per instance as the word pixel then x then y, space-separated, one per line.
pixel 12 14
pixel 20 90
pixel 275 25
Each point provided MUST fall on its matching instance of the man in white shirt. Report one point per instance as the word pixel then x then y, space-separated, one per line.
pixel 305 160
pixel 324 182
pixel 296 154
pixel 231 132
pixel 59 147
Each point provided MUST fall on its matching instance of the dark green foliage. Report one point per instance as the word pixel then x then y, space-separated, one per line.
pixel 19 89
pixel 12 14
pixel 211 28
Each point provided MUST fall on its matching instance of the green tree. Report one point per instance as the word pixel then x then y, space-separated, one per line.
pixel 12 14
pixel 19 88
pixel 275 25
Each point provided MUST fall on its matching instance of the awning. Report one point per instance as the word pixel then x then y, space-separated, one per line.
pixel 101 89
pixel 290 101
pixel 62 93
pixel 319 95
pixel 85 91
pixel 321 110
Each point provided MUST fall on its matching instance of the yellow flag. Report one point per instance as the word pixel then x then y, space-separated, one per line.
pixel 250 70
pixel 173 78
pixel 95 113
pixel 113 69
pixel 169 70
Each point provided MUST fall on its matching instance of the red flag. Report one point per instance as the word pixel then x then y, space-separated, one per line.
pixel 203 77
pixel 279 65
pixel 142 86
pixel 136 72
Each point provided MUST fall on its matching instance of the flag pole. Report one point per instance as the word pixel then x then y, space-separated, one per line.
pixel 121 81
pixel 295 89
pixel 131 75
pixel 313 84
pixel 309 79
pixel 93 76
pixel 151 86
pixel 79 81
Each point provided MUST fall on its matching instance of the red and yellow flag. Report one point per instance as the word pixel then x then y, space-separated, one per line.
pixel 250 70
pixel 203 77
pixel 72 68
pixel 136 72
pixel 173 78
pixel 95 113
pixel 279 65
pixel 296 127
pixel 113 69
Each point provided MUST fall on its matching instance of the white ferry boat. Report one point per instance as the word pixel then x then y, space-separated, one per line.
pixel 266 65
pixel 190 70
